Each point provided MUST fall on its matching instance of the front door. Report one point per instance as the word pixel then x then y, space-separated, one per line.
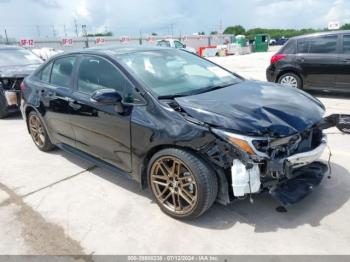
pixel 99 129
pixel 343 77
pixel 319 61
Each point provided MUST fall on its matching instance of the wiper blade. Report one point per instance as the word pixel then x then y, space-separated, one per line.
pixel 195 92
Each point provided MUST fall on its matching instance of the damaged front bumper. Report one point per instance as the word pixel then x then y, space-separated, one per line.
pixel 286 167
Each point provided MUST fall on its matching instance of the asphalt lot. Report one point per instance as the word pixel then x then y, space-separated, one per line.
pixel 54 203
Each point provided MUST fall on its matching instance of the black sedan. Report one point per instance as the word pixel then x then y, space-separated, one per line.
pixel 188 129
pixel 15 64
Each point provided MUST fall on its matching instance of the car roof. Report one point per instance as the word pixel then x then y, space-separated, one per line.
pixel 322 33
pixel 10 47
pixel 118 50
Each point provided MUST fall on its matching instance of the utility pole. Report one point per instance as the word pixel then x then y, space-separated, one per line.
pixel 83 28
pixel 38 30
pixel 172 30
pixel 65 30
pixel 7 40
pixel 76 28
pixel 53 30
pixel 140 40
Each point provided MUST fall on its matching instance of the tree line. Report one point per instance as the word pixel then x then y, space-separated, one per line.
pixel 275 33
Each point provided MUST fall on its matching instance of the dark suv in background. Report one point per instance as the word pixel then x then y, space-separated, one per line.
pixel 318 61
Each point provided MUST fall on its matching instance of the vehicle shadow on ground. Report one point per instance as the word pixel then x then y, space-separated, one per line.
pixel 326 199
pixel 334 95
pixel 15 116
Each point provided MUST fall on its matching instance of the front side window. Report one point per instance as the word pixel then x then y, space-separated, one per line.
pixel 96 73
pixel 178 44
pixel 346 44
pixel 175 73
pixel 62 71
pixel 323 44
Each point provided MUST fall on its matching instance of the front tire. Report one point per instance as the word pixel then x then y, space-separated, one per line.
pixel 291 80
pixel 183 185
pixel 3 106
pixel 38 132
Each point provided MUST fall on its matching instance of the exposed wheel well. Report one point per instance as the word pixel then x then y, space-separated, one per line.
pixel 28 110
pixel 222 179
pixel 290 71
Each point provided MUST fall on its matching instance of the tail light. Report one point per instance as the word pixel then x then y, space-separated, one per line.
pixel 23 86
pixel 277 57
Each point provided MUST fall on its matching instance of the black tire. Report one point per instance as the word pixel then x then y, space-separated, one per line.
pixel 46 144
pixel 295 77
pixel 205 182
pixel 3 106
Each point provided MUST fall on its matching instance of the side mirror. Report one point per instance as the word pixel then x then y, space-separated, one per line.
pixel 184 45
pixel 106 97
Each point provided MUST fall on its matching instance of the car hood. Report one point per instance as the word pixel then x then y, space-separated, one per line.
pixel 255 108
pixel 17 71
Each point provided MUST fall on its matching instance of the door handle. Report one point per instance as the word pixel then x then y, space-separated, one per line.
pixel 346 60
pixel 74 105
pixel 301 59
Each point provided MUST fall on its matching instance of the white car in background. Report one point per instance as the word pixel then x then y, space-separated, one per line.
pixel 174 43
pixel 46 52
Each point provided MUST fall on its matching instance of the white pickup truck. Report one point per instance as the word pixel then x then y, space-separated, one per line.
pixel 174 43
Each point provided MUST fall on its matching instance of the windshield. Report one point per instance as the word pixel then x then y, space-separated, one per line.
pixel 169 73
pixel 17 57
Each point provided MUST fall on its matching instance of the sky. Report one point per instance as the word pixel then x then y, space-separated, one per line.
pixel 48 18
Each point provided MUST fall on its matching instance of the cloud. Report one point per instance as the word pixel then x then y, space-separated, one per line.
pixel 181 16
pixel 48 3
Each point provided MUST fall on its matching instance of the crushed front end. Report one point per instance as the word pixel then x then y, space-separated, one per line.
pixel 287 167
pixel 10 93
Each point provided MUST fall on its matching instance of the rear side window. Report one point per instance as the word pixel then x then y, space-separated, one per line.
pixel 346 44
pixel 323 45
pixel 164 43
pixel 62 70
pixel 289 48
pixel 303 46
pixel 45 73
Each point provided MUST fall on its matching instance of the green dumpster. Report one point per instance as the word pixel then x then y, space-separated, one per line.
pixel 241 40
pixel 262 42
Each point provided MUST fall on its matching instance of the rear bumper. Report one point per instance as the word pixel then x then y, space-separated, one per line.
pixel 271 74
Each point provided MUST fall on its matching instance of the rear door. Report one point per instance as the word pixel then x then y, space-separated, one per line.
pixel 343 77
pixel 55 88
pixel 100 130
pixel 318 59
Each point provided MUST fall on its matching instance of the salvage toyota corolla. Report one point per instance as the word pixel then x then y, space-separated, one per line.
pixel 188 129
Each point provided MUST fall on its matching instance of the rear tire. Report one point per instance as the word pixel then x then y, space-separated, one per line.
pixel 291 80
pixel 3 106
pixel 183 185
pixel 38 132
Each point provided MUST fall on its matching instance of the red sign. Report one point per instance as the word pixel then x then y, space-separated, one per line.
pixel 124 39
pixel 100 41
pixel 26 42
pixel 151 39
pixel 67 42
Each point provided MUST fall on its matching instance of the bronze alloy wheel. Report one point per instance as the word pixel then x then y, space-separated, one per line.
pixel 37 130
pixel 174 185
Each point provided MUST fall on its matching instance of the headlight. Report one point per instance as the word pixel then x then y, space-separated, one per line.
pixel 240 141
